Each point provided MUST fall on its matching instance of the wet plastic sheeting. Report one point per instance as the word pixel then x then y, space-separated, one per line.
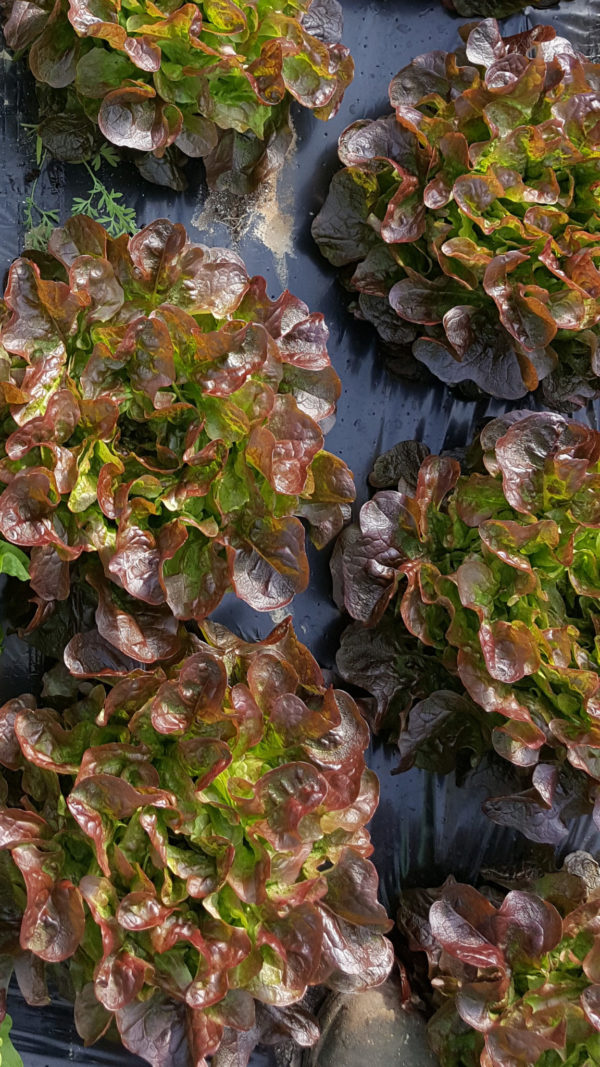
pixel 46 1037
pixel 426 825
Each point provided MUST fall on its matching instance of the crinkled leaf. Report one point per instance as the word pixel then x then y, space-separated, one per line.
pixel 179 441
pixel 493 573
pixel 213 82
pixel 457 247
pixel 223 796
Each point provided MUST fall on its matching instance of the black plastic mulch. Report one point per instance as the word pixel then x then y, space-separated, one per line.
pixel 427 826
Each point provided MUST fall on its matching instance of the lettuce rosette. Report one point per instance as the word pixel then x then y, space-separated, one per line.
pixel 192 840
pixel 467 220
pixel 513 976
pixel 161 432
pixel 480 591
pixel 212 79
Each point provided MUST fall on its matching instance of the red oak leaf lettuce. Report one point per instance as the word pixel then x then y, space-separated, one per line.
pixel 161 431
pixel 192 840
pixel 212 79
pixel 514 977
pixel 466 221
pixel 495 572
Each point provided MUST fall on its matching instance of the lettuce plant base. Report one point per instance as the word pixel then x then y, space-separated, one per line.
pixel 512 974
pixel 206 80
pixel 91 435
pixel 424 821
pixel 206 920
pixel 445 220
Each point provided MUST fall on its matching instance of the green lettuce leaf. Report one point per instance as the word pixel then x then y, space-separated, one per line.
pixel 198 80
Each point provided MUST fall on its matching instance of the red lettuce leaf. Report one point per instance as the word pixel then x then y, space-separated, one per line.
pixel 463 250
pixel 477 594
pixel 165 436
pixel 192 839
pixel 211 80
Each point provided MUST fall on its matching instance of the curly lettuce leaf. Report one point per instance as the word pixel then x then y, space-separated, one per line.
pixel 466 220
pixel 479 591
pixel 515 973
pixel 207 80
pixel 192 842
pixel 162 433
